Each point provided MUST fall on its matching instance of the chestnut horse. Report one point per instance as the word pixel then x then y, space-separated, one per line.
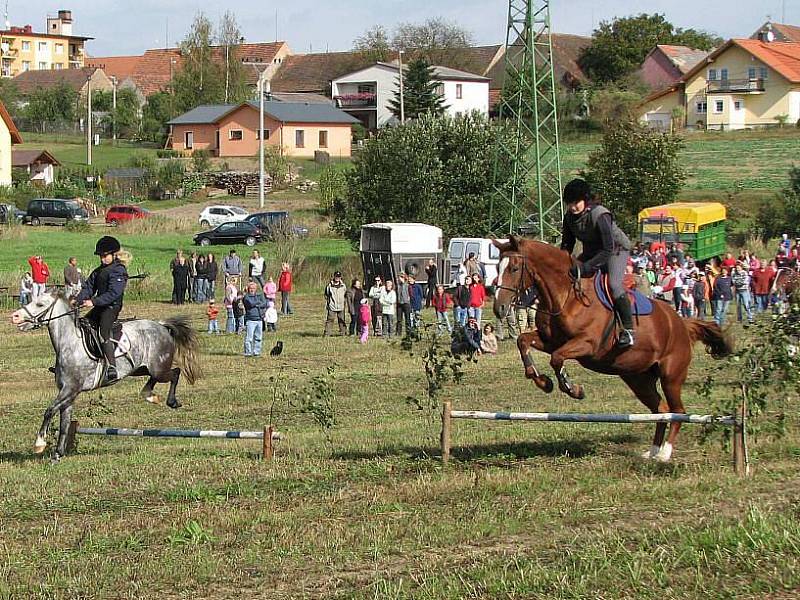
pixel 572 324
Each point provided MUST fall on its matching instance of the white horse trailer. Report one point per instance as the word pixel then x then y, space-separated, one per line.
pixel 388 249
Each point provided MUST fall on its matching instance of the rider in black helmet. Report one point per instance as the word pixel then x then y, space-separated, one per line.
pixel 605 248
pixel 103 292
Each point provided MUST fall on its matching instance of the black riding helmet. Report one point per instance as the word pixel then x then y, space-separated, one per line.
pixel 106 245
pixel 577 190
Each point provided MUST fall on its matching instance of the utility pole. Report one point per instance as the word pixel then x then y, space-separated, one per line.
pixel 114 109
pixel 263 88
pixel 402 106
pixel 227 70
pixel 89 120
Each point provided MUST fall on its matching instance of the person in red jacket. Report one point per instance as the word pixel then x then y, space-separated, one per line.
pixel 285 288
pixel 441 302
pixel 729 262
pixel 762 284
pixel 40 273
pixel 477 294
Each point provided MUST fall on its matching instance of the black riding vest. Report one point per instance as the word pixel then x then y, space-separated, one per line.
pixel 584 228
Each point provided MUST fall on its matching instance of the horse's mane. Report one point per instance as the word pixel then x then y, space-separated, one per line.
pixel 536 250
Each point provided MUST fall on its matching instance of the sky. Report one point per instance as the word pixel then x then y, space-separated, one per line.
pixel 130 27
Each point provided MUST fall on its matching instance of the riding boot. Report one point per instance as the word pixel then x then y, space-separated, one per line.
pixel 111 368
pixel 622 306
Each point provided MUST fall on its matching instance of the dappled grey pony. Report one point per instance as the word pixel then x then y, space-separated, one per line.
pixel 147 348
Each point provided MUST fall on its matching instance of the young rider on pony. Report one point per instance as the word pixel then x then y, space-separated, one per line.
pixel 103 292
pixel 605 248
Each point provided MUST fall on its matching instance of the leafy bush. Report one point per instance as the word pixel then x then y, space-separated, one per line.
pixel 170 175
pixel 201 161
pixel 276 165
pixel 142 160
pixel 635 167
pixel 435 170
pixel 192 182
pixel 332 187
pixel 167 153
pixel 78 226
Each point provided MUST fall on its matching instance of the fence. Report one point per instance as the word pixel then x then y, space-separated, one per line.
pixel 267 435
pixel 740 458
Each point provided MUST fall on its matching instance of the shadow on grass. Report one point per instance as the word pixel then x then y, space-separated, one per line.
pixel 19 457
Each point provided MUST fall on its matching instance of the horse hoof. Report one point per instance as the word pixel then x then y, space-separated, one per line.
pixel 55 459
pixel 40 446
pixel 650 454
pixel 154 399
pixel 577 392
pixel 530 373
pixel 664 454
pixel 174 404
pixel 545 384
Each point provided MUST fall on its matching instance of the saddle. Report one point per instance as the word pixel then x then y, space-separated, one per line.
pixel 641 305
pixel 94 345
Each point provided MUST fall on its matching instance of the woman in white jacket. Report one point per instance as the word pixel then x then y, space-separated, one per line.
pixel 388 301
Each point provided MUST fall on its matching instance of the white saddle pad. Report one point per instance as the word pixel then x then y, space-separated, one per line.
pixel 123 346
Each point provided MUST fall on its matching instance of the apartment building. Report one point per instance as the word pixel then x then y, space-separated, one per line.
pixel 57 48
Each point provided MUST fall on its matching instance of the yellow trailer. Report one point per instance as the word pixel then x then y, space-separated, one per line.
pixel 700 226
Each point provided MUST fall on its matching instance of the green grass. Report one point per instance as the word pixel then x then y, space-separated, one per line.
pixel 524 510
pixel 71 152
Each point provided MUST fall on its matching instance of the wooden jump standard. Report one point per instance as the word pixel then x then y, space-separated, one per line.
pixel 740 459
pixel 267 435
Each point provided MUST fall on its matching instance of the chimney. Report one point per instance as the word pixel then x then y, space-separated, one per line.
pixel 60 25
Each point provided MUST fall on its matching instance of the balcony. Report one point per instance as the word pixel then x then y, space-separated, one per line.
pixel 358 100
pixel 736 86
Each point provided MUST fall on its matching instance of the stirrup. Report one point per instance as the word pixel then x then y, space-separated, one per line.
pixel 111 375
pixel 625 339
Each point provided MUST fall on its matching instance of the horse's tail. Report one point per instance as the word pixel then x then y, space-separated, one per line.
pixel 187 346
pixel 718 342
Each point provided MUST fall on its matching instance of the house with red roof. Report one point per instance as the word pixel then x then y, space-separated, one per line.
pixel 665 65
pixel 745 83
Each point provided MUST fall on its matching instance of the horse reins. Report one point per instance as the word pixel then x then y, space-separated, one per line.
pixel 40 320
pixel 576 287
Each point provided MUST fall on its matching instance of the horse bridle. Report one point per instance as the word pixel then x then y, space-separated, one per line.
pixel 41 319
pixel 576 286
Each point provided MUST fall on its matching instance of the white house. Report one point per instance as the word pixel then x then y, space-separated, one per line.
pixel 366 93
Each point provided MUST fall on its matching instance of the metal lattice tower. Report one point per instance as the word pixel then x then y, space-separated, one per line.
pixel 531 198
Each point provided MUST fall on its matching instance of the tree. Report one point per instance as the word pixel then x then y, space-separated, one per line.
pixel 635 167
pixel 780 214
pixel 619 47
pixel 200 80
pixel 436 40
pixel 373 44
pixel 9 94
pixel 54 105
pixel 126 118
pixel 435 170
pixel 420 95
pixel 156 112
pixel 229 37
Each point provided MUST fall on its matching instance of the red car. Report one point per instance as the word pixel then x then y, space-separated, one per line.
pixel 120 214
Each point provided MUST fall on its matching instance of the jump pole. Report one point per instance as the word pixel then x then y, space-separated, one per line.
pixel 267 435
pixel 739 441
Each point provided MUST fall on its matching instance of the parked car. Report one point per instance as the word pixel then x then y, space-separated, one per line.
pixel 269 221
pixel 219 214
pixel 122 214
pixel 54 211
pixel 235 232
pixel 10 214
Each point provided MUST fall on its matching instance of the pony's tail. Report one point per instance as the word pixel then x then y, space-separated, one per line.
pixel 718 342
pixel 187 346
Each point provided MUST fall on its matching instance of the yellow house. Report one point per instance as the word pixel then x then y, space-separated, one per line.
pixel 22 49
pixel 9 134
pixel 745 83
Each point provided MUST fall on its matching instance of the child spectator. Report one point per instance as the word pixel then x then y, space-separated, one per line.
pixel 270 289
pixel 441 302
pixel 388 300
pixel 699 293
pixel 26 289
pixel 213 312
pixel 687 298
pixel 285 288
pixel 364 317
pixel 488 340
pixel 229 301
pixel 271 316
pixel 352 298
pixel 417 296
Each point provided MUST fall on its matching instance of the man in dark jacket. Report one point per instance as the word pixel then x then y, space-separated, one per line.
pixel 103 293
pixel 605 248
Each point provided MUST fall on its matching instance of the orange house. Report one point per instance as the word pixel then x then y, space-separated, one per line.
pixel 296 128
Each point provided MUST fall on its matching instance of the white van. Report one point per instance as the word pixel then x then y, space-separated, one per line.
pixel 388 249
pixel 485 251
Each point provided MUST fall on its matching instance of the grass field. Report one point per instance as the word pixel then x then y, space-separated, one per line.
pixel 524 511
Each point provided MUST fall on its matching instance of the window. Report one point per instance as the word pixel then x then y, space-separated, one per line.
pixel 42 46
pixel 751 73
pixel 58 66
pixel 266 134
pixel 763 72
pixel 701 108
pixel 26 46
pixel 300 139
pixel 712 74
pixel 719 106
pixel 459 91
pixel 723 74
pixel 59 48
pixel 323 139
pixel 42 66
pixel 26 65
pixel 737 105
pixel 366 88
pixel 188 140
pixel 235 135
